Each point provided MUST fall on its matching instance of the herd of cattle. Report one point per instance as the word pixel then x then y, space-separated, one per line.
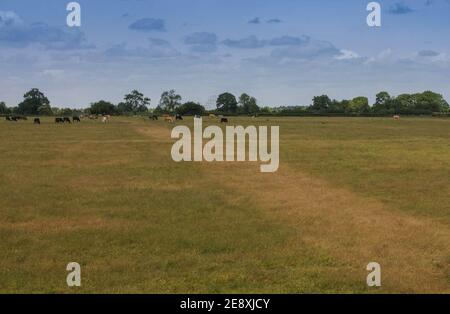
pixel 66 119
pixel 172 119
pixel 106 118
pixel 59 120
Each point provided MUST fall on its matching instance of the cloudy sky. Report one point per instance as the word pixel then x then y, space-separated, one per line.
pixel 283 52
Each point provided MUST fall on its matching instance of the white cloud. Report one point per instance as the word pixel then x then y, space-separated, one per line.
pixel 14 32
pixel 9 18
pixel 347 55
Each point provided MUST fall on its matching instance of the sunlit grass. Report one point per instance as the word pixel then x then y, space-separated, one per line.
pixel 110 197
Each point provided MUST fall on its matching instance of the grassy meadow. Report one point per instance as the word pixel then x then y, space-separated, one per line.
pixel 349 191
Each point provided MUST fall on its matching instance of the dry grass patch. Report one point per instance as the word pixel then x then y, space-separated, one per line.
pixel 356 230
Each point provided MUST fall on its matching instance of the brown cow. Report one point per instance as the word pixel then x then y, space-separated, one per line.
pixel 169 119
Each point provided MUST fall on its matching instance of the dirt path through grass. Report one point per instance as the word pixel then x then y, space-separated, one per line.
pixel 414 252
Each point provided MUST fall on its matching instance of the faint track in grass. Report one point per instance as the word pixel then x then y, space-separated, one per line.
pixel 414 252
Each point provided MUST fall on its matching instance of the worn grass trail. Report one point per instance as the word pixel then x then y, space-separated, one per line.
pixel 351 229
pixel 111 198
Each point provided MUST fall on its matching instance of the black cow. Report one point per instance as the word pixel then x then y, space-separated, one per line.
pixel 178 117
pixel 223 120
pixel 14 119
pixel 59 120
pixel 8 118
pixel 154 117
pixel 66 119
pixel 76 119
pixel 37 121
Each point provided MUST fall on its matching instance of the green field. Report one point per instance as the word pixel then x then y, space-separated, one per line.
pixel 349 191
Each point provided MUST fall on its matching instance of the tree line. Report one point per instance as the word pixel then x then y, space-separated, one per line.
pixel 420 103
pixel 36 103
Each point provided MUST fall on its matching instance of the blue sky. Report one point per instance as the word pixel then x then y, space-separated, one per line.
pixel 283 52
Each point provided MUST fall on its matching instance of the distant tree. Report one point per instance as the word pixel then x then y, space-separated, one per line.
pixel 419 103
pixel 226 102
pixel 33 99
pixel 383 102
pixel 190 108
pixel 3 108
pixel 102 107
pixel 248 104
pixel 66 112
pixel 430 102
pixel 345 106
pixel 404 103
pixel 124 108
pixel 134 102
pixel 170 100
pixel 338 106
pixel 265 109
pixel 56 111
pixel 321 103
pixel 45 110
pixel 359 105
pixel 158 110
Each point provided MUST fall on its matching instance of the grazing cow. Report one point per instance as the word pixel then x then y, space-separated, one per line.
pixel 15 119
pixel 66 119
pixel 178 117
pixel 59 120
pixel 76 119
pixel 37 121
pixel 223 120
pixel 105 119
pixel 154 117
pixel 8 118
pixel 169 119
pixel 397 117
